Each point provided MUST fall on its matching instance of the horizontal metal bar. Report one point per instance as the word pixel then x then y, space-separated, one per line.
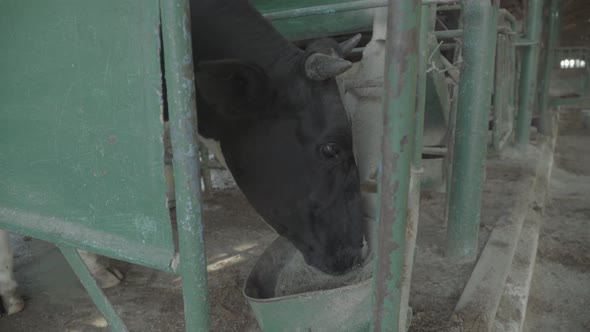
pixel 325 9
pixel 506 30
pixel 447 34
pixel 506 13
pixel 448 8
pixel 444 47
pixel 65 232
pixel 574 48
pixel 433 150
pixel 438 2
pixel 526 42
pixel 339 8
pixel 574 101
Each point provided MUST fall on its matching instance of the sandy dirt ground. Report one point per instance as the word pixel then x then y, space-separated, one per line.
pixel 437 282
pixel 560 290
pixel 148 300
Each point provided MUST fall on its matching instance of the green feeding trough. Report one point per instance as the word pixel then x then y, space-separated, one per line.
pixel 346 308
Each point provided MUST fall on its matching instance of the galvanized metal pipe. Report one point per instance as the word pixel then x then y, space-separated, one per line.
pixel 401 73
pixel 528 81
pixel 479 42
pixel 553 38
pixel 179 77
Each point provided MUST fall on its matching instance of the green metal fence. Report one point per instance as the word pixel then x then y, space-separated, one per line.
pixel 77 102
pixel 72 173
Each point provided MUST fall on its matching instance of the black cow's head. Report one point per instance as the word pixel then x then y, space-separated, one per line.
pixel 287 141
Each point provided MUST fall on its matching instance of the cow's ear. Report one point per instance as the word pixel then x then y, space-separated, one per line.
pixel 235 88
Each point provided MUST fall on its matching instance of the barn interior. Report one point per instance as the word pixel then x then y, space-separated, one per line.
pixel 537 281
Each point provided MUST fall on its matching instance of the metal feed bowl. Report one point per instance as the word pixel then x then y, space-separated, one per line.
pixel 340 309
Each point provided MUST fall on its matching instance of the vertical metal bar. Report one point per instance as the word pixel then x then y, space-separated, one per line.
pixel 512 75
pixel 545 118
pixel 96 294
pixel 179 76
pixel 528 81
pixel 499 95
pixel 479 42
pixel 401 71
pixel 427 18
pixel 457 57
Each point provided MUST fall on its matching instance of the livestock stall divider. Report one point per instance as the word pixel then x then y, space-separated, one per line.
pixel 530 64
pixel 45 192
pixel 469 149
pixel 549 56
pixel 397 148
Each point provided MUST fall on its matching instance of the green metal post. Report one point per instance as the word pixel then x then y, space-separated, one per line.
pixel 553 38
pixel 479 41
pixel 183 129
pixel 528 81
pixel 401 74
pixel 427 17
pixel 96 294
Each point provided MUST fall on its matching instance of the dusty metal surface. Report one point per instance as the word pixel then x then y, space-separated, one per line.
pixel 470 138
pixel 179 78
pixel 80 131
pixel 401 72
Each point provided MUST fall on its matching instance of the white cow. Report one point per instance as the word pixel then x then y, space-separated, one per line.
pixel 105 275
pixel 11 302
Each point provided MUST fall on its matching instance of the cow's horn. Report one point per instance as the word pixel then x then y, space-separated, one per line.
pixel 319 67
pixel 348 45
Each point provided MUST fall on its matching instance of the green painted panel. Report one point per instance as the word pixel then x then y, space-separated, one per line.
pixel 317 26
pixel 81 157
pixel 279 5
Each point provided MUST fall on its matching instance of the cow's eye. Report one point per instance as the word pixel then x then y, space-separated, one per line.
pixel 330 150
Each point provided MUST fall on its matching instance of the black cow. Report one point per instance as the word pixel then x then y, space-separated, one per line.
pixel 284 133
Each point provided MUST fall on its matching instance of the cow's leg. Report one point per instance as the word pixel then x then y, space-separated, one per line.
pixel 106 276
pixel 11 301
